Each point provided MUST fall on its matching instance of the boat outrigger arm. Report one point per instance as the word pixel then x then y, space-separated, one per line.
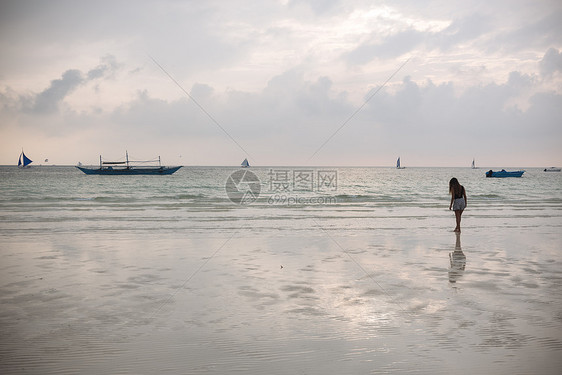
pixel 120 162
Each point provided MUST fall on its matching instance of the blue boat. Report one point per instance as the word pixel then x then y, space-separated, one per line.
pixel 398 164
pixel 126 168
pixel 24 161
pixel 504 173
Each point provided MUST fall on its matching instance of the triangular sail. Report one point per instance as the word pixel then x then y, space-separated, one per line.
pixel 473 166
pixel 24 161
pixel 398 163
pixel 245 163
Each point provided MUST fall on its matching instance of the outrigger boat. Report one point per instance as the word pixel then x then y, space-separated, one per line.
pixel 126 168
pixel 504 173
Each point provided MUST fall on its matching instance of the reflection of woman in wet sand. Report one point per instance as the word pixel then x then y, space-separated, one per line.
pixel 458 200
pixel 458 261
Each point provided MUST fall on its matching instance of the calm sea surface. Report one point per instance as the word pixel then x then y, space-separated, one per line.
pixel 329 270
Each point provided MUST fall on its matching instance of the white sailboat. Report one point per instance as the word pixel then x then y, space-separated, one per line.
pixel 245 163
pixel 398 164
pixel 473 165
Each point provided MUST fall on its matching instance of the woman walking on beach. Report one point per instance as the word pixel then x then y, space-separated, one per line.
pixel 458 200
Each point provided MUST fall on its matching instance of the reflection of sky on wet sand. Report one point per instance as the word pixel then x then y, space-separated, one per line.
pixel 367 302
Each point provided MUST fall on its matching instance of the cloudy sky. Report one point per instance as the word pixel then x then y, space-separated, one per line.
pixel 283 82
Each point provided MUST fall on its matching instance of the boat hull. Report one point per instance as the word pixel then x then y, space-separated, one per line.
pixel 130 171
pixel 502 174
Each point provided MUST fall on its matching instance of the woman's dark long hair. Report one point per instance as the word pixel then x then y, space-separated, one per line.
pixel 454 187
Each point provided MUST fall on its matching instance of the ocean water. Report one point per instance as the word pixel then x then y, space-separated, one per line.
pixel 321 270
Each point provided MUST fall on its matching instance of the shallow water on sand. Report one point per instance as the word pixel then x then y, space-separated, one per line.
pixel 165 274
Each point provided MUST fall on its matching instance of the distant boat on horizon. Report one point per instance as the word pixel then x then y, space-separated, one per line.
pixel 552 169
pixel 473 166
pixel 245 163
pixel 125 168
pixel 398 164
pixel 24 161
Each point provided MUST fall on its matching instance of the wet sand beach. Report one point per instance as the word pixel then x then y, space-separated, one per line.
pixel 345 293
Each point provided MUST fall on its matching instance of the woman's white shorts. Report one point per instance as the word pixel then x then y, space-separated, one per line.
pixel 458 204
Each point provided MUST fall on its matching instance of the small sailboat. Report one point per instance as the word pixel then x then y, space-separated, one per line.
pixel 398 164
pixel 245 163
pixel 24 161
pixel 473 166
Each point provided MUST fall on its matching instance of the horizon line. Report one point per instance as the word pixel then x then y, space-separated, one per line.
pixel 297 166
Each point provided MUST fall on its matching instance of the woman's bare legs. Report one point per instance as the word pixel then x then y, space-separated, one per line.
pixel 458 214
